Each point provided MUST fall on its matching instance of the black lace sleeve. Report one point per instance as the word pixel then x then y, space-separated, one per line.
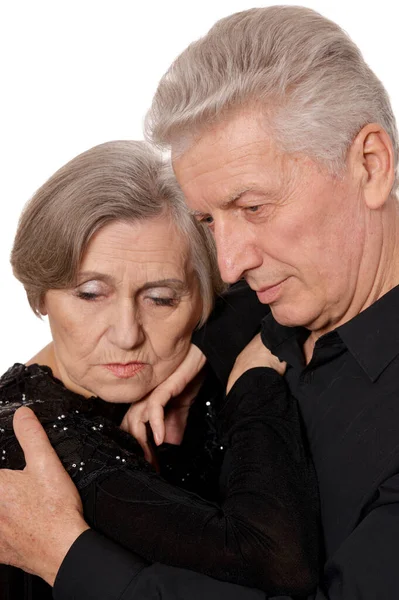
pixel 261 532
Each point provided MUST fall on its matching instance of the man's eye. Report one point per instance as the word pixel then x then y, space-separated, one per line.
pixel 206 220
pixel 252 209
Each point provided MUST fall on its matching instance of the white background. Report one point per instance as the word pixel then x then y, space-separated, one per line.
pixel 75 73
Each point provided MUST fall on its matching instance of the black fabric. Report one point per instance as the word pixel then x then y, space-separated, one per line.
pixel 266 472
pixel 120 578
pixel 349 397
pixel 241 310
pixel 100 567
pixel 266 539
pixel 349 400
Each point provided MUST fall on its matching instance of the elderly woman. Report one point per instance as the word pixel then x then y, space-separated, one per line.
pixel 108 252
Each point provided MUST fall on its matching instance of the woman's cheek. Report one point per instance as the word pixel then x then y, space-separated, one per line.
pixel 172 344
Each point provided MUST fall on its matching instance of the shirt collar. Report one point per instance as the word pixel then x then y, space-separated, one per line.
pixel 284 342
pixel 371 337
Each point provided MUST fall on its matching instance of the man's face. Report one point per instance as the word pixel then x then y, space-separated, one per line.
pixel 294 232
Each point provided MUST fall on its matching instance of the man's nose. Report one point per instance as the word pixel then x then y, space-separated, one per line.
pixel 126 331
pixel 236 252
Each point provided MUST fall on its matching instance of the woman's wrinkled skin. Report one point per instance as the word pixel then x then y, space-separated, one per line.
pixel 127 323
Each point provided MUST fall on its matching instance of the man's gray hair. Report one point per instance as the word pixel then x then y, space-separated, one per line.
pixel 302 69
pixel 117 181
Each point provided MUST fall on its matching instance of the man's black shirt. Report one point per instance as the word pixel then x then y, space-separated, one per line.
pixel 349 399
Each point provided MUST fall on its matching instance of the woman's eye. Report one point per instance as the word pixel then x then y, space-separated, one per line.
pixel 87 295
pixel 164 301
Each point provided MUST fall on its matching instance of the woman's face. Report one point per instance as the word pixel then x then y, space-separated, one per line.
pixel 127 324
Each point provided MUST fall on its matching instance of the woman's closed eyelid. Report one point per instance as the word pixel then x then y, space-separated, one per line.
pixel 163 301
pixel 94 288
pixel 91 286
pixel 162 296
pixel 90 290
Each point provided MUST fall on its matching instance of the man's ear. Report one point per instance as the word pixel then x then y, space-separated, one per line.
pixel 371 158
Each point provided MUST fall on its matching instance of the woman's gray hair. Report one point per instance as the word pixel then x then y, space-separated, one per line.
pixel 115 181
pixel 308 76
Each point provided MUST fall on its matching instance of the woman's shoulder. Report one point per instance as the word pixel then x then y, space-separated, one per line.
pixel 34 386
pixel 15 373
pixel 82 430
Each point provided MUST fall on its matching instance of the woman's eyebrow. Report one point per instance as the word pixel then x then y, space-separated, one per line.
pixel 176 284
pixel 88 275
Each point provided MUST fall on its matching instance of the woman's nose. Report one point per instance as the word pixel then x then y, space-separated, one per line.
pixel 126 331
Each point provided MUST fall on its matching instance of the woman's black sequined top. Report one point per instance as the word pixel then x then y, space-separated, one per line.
pixel 240 522
pixel 91 446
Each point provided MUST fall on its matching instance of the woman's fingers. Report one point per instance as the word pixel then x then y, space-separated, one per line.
pixel 181 386
pixel 156 416
pixel 135 423
pixel 151 408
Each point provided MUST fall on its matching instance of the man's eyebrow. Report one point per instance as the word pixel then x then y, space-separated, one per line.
pixel 235 196
pixel 228 202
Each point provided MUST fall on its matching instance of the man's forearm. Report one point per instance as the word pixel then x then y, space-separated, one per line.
pixel 97 569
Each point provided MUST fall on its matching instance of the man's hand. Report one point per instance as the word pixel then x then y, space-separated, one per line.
pixel 178 392
pixel 255 354
pixel 40 508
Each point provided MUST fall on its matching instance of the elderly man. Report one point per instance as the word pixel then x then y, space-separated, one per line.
pixel 285 145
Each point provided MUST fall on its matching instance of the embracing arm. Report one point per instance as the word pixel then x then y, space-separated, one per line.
pixel 288 559
pixel 263 533
pixel 364 567
pixel 96 568
pixel 57 540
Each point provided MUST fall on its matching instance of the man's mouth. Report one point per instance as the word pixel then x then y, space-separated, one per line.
pixel 269 294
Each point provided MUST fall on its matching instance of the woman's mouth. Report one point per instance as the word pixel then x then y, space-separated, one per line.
pixel 124 370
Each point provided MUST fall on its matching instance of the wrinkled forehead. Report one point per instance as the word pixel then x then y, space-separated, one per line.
pixel 236 154
pixel 147 245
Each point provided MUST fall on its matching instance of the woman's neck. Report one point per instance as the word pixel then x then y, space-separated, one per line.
pixel 47 358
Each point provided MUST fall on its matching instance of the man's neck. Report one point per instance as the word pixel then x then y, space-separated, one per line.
pixel 385 276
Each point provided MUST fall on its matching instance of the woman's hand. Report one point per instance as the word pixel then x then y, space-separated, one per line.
pixel 40 508
pixel 177 392
pixel 255 354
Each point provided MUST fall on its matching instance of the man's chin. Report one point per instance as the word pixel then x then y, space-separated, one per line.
pixel 290 315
